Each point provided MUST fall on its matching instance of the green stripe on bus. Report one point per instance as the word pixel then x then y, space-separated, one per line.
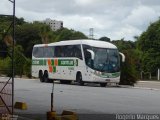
pixel 37 62
pixel 52 62
pixel 116 74
pixel 54 69
pixel 61 62
pixel 44 62
pixel 65 62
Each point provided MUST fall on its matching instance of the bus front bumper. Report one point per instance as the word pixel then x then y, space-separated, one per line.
pixel 106 80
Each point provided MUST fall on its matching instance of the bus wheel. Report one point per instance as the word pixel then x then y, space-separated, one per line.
pixel 41 76
pixel 79 79
pixel 103 84
pixel 45 77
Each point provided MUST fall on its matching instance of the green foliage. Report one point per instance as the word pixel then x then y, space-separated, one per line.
pixel 130 68
pixel 27 68
pixel 129 72
pixel 66 34
pixel 30 34
pixel 22 65
pixel 5 66
pixel 26 36
pixel 19 60
pixel 5 22
pixel 5 19
pixel 149 44
pixel 124 45
pixel 105 39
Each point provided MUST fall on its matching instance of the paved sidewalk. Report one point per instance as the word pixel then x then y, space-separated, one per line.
pixel 148 84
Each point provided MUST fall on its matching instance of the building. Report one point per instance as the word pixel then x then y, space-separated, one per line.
pixel 55 25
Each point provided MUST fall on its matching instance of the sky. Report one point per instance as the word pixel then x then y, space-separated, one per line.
pixel 115 19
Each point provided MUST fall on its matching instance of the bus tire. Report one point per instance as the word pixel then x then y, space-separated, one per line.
pixel 79 79
pixel 41 76
pixel 45 76
pixel 103 84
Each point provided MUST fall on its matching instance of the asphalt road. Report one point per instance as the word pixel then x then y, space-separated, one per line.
pixel 89 99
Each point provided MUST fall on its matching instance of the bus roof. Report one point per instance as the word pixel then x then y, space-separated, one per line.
pixel 94 43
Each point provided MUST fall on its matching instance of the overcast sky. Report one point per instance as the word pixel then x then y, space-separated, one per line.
pixel 115 19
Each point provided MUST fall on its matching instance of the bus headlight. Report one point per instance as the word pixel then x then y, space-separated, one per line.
pixel 98 73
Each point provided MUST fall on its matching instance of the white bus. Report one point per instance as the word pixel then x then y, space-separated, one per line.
pixel 77 60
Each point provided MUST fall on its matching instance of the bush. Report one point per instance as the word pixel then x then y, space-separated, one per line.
pixel 5 66
pixel 129 75
pixel 27 68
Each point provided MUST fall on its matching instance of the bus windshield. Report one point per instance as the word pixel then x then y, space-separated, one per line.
pixel 105 60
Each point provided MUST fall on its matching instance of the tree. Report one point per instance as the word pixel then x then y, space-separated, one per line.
pixel 149 44
pixel 5 22
pixel 27 35
pixel 106 39
pixel 130 68
pixel 19 60
pixel 66 34
pixel 45 31
pixel 30 34
pixel 124 45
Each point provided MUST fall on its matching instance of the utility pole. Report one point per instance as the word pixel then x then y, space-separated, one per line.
pixel 13 43
pixel 8 105
pixel 158 74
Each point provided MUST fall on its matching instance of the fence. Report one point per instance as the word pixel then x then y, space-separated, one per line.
pixel 5 96
pixel 155 75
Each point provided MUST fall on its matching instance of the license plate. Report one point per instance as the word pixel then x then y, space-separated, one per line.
pixel 107 79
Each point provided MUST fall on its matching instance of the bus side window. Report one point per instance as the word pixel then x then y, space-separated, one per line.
pixel 38 52
pixel 59 51
pixel 78 52
pixel 66 51
pixel 52 49
pixel 62 54
pixel 69 51
pixel 35 52
pixel 48 51
pixel 86 54
pixel 56 52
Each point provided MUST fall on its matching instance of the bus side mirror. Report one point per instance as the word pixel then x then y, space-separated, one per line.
pixel 92 53
pixel 123 56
